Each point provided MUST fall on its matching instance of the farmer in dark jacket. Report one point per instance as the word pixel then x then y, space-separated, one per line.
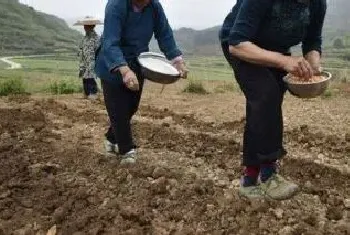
pixel 256 39
pixel 129 27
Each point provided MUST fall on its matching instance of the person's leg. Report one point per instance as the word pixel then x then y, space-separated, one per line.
pixel 269 167
pixel 249 185
pixel 264 95
pixel 85 87
pixel 93 86
pixel 264 92
pixel 118 101
pixel 110 142
pixel 135 97
pixel 110 135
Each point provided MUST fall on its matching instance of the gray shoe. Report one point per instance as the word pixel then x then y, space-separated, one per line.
pixel 129 158
pixel 252 192
pixel 278 188
pixel 92 97
pixel 110 148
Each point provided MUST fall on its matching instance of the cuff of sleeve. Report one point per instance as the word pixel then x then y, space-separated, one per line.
pixel 234 42
pixel 315 49
pixel 178 59
pixel 117 65
pixel 173 54
pixel 307 48
pixel 236 38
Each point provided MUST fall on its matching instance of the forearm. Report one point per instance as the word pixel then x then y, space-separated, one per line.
pixel 251 53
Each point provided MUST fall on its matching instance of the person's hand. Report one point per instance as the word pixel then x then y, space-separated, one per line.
pixel 181 67
pixel 130 81
pixel 297 66
pixel 81 72
pixel 129 78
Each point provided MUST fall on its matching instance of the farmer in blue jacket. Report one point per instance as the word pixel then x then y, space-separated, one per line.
pixel 128 29
pixel 256 39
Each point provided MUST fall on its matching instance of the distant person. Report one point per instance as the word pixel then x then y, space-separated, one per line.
pixel 129 27
pixel 256 39
pixel 87 49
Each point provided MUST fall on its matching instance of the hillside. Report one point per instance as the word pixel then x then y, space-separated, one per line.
pixel 338 18
pixel 23 30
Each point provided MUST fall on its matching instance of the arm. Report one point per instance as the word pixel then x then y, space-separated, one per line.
pixel 251 53
pixel 113 24
pixel 243 32
pixel 80 52
pixel 312 44
pixel 164 34
pixel 81 60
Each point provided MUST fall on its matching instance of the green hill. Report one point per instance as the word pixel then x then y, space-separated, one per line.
pixel 23 30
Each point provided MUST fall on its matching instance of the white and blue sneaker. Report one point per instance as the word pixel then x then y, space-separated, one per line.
pixel 110 148
pixel 129 158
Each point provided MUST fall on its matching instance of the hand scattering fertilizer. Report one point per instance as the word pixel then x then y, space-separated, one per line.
pixel 308 88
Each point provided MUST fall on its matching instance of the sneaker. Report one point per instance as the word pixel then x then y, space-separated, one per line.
pixel 92 97
pixel 278 188
pixel 129 158
pixel 110 148
pixel 251 192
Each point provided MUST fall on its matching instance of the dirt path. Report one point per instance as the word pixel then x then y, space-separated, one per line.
pixel 54 172
pixel 13 65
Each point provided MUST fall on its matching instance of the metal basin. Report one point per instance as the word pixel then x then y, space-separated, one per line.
pixel 308 90
pixel 156 68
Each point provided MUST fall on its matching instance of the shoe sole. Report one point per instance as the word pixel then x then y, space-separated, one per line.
pixel 127 162
pixel 250 198
pixel 286 197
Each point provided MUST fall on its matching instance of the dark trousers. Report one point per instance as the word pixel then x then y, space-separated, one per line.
pixel 121 104
pixel 90 86
pixel 264 91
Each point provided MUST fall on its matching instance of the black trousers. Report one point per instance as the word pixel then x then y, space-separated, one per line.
pixel 264 91
pixel 90 86
pixel 121 104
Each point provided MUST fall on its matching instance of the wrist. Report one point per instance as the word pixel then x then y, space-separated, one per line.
pixel 281 61
pixel 124 70
pixel 178 60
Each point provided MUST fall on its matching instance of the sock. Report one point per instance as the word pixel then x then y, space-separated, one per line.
pixel 267 170
pixel 251 174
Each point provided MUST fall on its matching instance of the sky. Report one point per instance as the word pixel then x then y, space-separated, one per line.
pixel 197 14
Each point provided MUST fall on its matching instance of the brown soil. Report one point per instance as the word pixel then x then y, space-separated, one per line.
pixel 54 171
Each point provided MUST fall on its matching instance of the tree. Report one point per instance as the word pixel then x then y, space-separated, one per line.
pixel 338 43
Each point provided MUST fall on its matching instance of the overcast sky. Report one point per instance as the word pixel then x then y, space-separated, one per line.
pixel 197 14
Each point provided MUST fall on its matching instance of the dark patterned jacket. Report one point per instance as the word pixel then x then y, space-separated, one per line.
pixel 87 49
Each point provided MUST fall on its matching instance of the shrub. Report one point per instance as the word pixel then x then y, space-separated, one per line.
pixel 195 87
pixel 338 43
pixel 12 86
pixel 226 87
pixel 327 94
pixel 64 87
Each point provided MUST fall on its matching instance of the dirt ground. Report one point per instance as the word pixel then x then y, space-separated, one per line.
pixel 54 170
